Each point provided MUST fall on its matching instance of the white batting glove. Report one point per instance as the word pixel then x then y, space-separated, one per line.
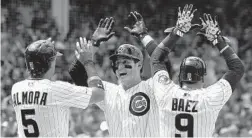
pixel 184 19
pixel 210 28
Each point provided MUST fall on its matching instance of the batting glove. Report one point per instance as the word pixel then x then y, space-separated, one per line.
pixel 210 28
pixel 104 31
pixel 185 17
pixel 139 29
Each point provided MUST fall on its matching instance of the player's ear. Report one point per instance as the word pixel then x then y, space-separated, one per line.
pixel 140 65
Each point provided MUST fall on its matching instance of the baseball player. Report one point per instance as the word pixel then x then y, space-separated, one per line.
pixel 188 109
pixel 42 105
pixel 130 107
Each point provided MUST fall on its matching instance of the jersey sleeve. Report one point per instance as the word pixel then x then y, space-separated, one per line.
pixel 218 94
pixel 109 89
pixel 150 82
pixel 70 95
pixel 162 84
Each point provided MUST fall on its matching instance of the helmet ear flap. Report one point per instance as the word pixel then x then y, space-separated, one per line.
pixel 204 73
pixel 204 67
pixel 180 71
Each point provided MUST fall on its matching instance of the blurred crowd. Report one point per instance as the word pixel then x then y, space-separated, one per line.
pixel 25 21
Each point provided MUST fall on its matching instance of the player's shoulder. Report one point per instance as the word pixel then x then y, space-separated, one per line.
pixel 61 84
pixel 222 83
pixel 158 75
pixel 162 77
pixel 221 87
pixel 18 85
pixel 58 82
pixel 161 73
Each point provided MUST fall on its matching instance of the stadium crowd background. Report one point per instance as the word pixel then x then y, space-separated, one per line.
pixel 24 21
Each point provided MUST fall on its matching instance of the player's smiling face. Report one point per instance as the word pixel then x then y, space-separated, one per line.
pixel 127 69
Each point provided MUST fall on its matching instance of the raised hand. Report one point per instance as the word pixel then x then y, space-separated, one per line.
pixel 104 31
pixel 210 28
pixel 84 51
pixel 184 18
pixel 139 28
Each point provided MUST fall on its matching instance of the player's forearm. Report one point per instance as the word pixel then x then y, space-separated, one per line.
pixel 163 49
pixel 234 63
pixel 78 73
pixel 95 82
pixel 90 68
pixel 158 60
pixel 149 44
pixel 93 77
pixel 169 41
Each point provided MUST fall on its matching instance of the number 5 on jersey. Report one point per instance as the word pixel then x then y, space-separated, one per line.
pixel 27 122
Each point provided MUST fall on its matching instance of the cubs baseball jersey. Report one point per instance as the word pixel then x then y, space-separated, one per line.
pixel 42 106
pixel 189 113
pixel 132 112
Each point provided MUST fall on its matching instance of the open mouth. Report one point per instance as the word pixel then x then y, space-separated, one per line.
pixel 122 74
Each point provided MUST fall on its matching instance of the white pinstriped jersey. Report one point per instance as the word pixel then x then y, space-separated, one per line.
pixel 42 106
pixel 131 113
pixel 189 113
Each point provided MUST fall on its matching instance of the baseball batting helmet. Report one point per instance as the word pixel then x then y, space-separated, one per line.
pixel 128 51
pixel 38 57
pixel 192 70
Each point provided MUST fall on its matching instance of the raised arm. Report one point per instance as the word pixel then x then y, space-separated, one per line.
pixel 137 28
pixel 84 52
pixel 102 33
pixel 183 26
pixel 78 73
pixel 213 34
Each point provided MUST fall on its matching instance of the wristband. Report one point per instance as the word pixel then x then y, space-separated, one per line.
pixel 223 49
pixel 215 41
pixel 142 35
pixel 146 40
pixel 178 32
pixel 95 81
pixel 92 78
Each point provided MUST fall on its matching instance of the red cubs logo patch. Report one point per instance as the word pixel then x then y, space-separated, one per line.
pixel 139 104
